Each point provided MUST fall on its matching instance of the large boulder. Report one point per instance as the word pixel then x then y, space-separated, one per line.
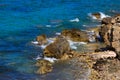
pixel 111 34
pixel 75 35
pixel 58 48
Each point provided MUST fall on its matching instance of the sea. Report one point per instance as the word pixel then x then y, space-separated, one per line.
pixel 22 20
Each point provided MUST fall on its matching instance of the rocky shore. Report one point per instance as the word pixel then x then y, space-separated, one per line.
pixel 101 55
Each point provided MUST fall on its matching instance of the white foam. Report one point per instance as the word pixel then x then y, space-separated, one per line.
pixel 34 42
pixel 102 15
pixel 38 57
pixel 74 20
pixel 43 46
pixel 46 58
pixel 50 59
pixel 73 45
pixel 48 25
pixel 58 33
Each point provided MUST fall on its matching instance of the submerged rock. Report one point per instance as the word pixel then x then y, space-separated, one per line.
pixel 75 35
pixel 57 49
pixel 41 39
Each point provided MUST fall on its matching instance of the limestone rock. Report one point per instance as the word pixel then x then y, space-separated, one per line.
pixel 75 35
pixel 57 48
pixel 106 20
pixel 44 66
pixel 116 19
pixel 96 15
pixel 110 34
pixel 41 39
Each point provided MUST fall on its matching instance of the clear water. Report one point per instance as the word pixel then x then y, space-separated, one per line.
pixel 22 20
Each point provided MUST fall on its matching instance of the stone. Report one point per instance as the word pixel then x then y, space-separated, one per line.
pixel 110 34
pixel 116 19
pixel 96 15
pixel 44 66
pixel 106 20
pixel 75 35
pixel 41 39
pixel 103 55
pixel 57 48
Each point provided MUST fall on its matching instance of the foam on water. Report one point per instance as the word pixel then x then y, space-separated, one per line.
pixel 43 46
pixel 102 15
pixel 50 59
pixel 46 58
pixel 74 45
pixel 74 20
pixel 48 25
pixel 58 33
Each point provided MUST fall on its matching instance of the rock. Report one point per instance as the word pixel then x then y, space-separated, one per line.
pixel 75 35
pixel 106 20
pixel 106 70
pixel 41 39
pixel 116 19
pixel 103 55
pixel 57 48
pixel 110 34
pixel 44 66
pixel 96 15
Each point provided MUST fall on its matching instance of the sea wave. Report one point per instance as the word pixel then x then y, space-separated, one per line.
pixel 52 60
pixel 102 15
pixel 43 46
pixel 74 45
pixel 74 20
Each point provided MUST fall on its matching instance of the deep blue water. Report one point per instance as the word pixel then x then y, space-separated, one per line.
pixel 22 20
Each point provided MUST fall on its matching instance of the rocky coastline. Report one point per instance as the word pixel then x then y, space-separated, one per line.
pixel 103 45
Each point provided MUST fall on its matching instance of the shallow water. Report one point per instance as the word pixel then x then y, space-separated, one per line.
pixel 22 20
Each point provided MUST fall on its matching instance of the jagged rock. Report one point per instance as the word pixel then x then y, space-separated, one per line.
pixel 106 20
pixel 116 19
pixel 57 48
pixel 110 34
pixel 44 66
pixel 75 35
pixel 41 39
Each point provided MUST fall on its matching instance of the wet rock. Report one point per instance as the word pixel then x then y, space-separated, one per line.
pixel 96 15
pixel 44 66
pixel 41 39
pixel 96 34
pixel 57 48
pixel 75 35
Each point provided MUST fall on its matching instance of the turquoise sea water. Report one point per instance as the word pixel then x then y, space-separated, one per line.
pixel 22 20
